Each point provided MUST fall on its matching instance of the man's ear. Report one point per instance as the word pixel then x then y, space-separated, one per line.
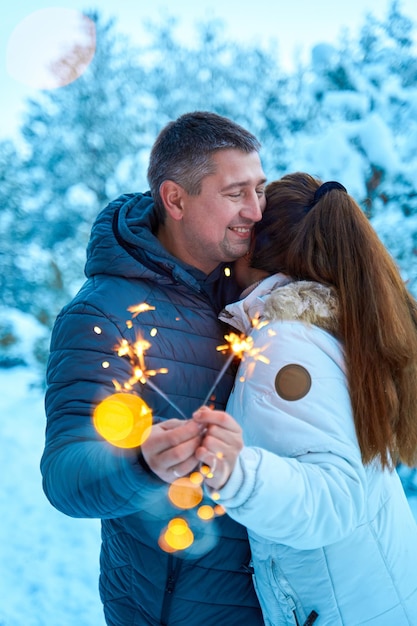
pixel 172 196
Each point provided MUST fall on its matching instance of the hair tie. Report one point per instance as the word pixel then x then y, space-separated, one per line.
pixel 326 187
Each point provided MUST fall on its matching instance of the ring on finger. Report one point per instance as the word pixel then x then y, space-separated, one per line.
pixel 212 468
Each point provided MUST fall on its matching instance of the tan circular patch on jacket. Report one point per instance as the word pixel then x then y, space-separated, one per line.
pixel 292 382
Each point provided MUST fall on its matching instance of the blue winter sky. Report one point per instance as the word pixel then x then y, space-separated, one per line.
pixel 295 26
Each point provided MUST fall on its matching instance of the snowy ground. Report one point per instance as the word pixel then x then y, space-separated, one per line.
pixel 48 562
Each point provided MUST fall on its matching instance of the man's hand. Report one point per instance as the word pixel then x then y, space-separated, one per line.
pixel 221 444
pixel 170 448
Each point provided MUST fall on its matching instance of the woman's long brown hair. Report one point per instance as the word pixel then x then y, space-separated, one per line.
pixel 334 243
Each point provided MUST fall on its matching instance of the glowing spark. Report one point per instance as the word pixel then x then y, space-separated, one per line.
pixel 105 364
pixel 97 330
pixel 153 332
pixel 136 355
pixel 140 308
pixel 227 271
pixel 238 345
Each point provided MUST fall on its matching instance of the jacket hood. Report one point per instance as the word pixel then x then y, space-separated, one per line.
pixel 123 243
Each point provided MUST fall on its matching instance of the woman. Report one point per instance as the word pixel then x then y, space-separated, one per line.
pixel 327 402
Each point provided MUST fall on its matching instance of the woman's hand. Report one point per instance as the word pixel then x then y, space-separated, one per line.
pixel 222 441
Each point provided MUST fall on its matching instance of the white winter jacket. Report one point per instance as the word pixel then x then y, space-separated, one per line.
pixel 329 536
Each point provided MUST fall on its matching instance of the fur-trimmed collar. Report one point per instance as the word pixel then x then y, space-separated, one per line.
pixel 279 298
pixel 306 301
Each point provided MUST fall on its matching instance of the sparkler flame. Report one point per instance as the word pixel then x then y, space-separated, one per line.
pixel 140 308
pixel 240 346
pixel 136 354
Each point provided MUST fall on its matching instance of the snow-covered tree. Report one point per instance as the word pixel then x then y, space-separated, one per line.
pixel 359 103
pixel 78 147
pixel 349 114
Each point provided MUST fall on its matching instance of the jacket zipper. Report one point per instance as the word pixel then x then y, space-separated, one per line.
pixel 311 618
pixel 174 567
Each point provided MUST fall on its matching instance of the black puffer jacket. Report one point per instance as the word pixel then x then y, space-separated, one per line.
pixel 86 477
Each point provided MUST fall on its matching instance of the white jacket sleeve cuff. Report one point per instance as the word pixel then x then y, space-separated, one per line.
pixel 242 479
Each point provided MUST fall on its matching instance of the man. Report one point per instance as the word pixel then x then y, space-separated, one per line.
pixel 156 272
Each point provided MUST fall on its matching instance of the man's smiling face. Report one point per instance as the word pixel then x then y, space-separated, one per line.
pixel 216 225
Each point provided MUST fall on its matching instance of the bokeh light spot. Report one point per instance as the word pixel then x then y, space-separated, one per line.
pixel 124 420
pixel 205 512
pixel 51 48
pixel 196 478
pixel 162 543
pixel 185 494
pixel 177 536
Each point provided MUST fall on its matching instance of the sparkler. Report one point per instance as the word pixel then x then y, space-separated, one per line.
pixel 185 492
pixel 136 355
pixel 240 345
pixel 237 344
